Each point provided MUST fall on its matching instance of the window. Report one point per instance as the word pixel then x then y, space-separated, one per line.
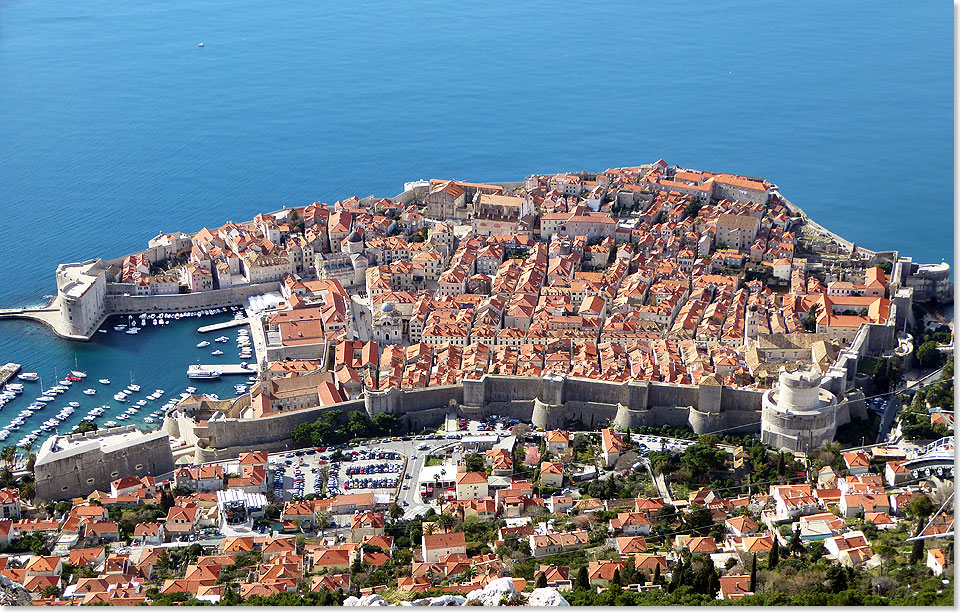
pixel 89 480
pixel 138 467
pixel 114 474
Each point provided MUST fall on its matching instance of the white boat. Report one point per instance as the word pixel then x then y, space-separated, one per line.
pixel 190 390
pixel 201 45
pixel 90 391
pixel 120 327
pixel 13 387
pixel 101 331
pixel 217 352
pixel 222 339
pixel 133 388
pixel 131 410
pixel 133 331
pixel 66 382
pixel 148 420
pixel 30 376
pixel 104 381
pixel 203 344
pixel 45 398
pixel 78 374
pixel 110 424
pixel 74 404
pixel 142 403
pixel 204 374
pixel 120 397
pixel 159 392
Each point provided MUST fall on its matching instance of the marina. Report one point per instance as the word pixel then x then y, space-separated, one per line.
pixel 103 389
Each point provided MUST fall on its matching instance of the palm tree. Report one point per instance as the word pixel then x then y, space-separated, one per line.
pixel 446 521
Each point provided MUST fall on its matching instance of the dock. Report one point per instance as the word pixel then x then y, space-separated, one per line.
pixel 225 369
pixel 8 371
pixel 226 325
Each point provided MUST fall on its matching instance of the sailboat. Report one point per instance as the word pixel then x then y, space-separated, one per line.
pixel 131 386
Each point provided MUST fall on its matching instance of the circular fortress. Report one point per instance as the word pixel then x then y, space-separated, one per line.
pixel 798 414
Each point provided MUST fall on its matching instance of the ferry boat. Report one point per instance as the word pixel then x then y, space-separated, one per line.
pixel 203 344
pixel 104 381
pixel 204 374
pixel 90 391
pixel 29 376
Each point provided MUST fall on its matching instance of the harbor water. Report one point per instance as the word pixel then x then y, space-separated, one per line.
pixel 118 126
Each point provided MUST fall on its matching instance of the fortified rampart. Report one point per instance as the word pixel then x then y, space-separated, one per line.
pixel 185 302
pixel 550 402
pixel 78 464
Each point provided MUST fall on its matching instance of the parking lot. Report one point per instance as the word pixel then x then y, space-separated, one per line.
pixel 312 472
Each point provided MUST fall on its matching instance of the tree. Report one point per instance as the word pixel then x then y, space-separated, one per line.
pixel 921 507
pixel 656 574
pixel 474 462
pixel 928 354
pixel 396 512
pixel 28 491
pixel 796 544
pixel 774 557
pixel 753 574
pixel 542 580
pixel 86 426
pixel 166 501
pixel 301 542
pixel 583 579
pixel 616 577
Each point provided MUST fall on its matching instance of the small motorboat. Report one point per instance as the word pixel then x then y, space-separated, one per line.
pixel 133 331
pixel 203 344
pixel 201 45
pixel 104 381
pixel 90 391
pixel 217 352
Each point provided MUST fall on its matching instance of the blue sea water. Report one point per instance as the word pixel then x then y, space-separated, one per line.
pixel 115 125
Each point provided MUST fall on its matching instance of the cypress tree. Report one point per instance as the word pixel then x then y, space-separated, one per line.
pixel 542 580
pixel 656 574
pixel 616 578
pixel 753 574
pixel 675 579
pixel 583 579
pixel 774 557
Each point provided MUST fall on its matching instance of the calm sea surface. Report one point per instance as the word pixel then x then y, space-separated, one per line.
pixel 115 125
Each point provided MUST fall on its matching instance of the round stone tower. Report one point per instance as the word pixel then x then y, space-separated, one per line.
pixel 797 414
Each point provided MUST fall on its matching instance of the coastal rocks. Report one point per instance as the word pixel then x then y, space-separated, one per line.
pixel 499 590
pixel 12 594
pixel 444 600
pixel 366 600
pixel 546 597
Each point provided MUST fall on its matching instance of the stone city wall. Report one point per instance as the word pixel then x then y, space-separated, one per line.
pixel 550 403
pixel 185 302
